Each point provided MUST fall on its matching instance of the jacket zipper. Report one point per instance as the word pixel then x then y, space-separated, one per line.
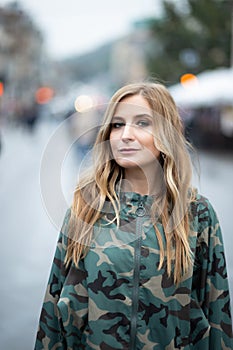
pixel 140 212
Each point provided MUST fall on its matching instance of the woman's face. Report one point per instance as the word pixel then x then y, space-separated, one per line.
pixel 132 134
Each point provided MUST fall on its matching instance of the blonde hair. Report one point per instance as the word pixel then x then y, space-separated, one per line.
pixel 95 188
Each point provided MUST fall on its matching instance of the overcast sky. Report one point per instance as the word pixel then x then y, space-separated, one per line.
pixel 74 26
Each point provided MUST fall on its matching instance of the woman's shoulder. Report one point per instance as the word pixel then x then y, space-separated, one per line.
pixel 201 200
pixel 202 208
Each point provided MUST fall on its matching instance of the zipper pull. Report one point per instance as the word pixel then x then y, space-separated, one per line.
pixel 140 211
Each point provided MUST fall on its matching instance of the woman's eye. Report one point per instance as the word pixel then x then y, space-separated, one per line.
pixel 117 125
pixel 143 123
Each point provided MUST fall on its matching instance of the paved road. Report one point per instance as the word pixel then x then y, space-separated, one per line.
pixel 29 234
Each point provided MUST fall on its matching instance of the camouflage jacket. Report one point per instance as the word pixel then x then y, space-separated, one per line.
pixel 117 298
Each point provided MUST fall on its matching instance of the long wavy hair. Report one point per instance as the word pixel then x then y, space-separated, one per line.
pixel 99 186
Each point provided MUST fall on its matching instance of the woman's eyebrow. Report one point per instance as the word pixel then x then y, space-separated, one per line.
pixel 137 116
pixel 143 115
pixel 116 117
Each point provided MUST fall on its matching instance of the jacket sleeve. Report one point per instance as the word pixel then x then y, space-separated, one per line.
pixel 213 282
pixel 49 335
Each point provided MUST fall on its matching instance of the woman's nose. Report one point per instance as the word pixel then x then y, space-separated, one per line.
pixel 128 132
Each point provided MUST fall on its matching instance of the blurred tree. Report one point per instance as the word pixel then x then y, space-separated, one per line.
pixel 191 36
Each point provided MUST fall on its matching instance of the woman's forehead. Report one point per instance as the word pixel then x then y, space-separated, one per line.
pixel 133 105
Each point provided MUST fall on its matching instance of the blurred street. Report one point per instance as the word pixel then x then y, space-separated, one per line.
pixel 52 67
pixel 28 236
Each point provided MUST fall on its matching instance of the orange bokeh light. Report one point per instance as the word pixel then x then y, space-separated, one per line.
pixel 44 94
pixel 1 88
pixel 188 79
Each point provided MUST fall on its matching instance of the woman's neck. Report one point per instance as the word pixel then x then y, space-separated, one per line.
pixel 135 180
pixel 135 185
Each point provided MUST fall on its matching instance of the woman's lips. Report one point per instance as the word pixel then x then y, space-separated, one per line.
pixel 128 150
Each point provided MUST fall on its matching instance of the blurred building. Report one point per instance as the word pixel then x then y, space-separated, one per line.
pixel 129 55
pixel 116 62
pixel 21 49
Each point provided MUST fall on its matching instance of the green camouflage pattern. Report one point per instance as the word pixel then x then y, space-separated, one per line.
pixel 105 304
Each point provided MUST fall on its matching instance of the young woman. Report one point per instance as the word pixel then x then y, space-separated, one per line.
pixel 140 261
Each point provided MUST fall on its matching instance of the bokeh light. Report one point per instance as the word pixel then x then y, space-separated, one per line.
pixel 188 80
pixel 83 103
pixel 44 94
pixel 1 88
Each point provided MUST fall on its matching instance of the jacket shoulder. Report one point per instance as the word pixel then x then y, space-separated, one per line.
pixel 203 212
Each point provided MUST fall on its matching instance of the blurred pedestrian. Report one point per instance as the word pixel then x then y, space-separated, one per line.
pixel 30 116
pixel 140 259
